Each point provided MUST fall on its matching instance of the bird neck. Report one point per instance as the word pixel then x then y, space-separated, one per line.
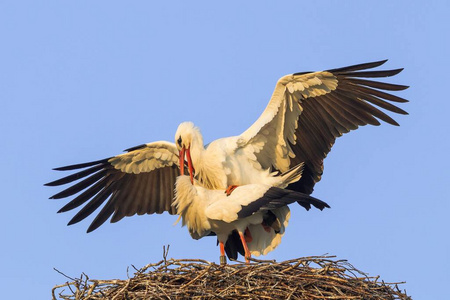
pixel 207 164
pixel 197 149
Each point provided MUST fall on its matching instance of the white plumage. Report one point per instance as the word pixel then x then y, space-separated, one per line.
pixel 305 115
pixel 204 211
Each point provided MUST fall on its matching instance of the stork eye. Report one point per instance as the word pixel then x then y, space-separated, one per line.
pixel 179 141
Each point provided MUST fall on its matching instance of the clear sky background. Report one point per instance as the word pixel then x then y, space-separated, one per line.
pixel 83 80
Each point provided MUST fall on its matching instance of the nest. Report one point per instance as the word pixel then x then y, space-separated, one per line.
pixel 315 277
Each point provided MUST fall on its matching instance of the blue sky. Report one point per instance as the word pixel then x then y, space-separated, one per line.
pixel 83 80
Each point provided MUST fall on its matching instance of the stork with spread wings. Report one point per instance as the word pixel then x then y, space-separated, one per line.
pixel 305 115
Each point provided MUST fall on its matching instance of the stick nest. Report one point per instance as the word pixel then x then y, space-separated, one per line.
pixel 315 277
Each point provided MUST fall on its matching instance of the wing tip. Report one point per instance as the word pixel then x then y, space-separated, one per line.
pixel 379 62
pixel 65 168
pixel 82 165
pixel 135 148
pixel 94 225
pixel 73 221
pixel 362 66
pixel 396 71
pixel 392 122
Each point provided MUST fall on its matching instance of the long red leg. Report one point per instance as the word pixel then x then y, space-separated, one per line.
pixel 223 258
pixel 246 251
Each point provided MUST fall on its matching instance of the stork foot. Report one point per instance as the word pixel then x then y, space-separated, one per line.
pixel 247 259
pixel 223 260
pixel 230 189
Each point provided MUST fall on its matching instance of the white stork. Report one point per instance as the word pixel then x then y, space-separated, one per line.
pixel 305 115
pixel 204 211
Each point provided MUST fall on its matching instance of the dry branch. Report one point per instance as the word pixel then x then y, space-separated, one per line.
pixel 316 277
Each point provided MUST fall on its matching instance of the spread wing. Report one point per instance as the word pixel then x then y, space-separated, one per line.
pixel 141 181
pixel 308 111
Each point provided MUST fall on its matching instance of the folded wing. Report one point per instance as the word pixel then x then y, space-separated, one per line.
pixel 276 197
pixel 249 199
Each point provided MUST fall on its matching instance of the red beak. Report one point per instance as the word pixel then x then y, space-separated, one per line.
pixel 189 161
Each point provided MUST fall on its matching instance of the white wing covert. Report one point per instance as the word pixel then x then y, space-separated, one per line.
pixel 275 130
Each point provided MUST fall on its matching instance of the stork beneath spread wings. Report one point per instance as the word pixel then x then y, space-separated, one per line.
pixel 249 206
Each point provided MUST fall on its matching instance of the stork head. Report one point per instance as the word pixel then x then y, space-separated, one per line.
pixel 186 137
